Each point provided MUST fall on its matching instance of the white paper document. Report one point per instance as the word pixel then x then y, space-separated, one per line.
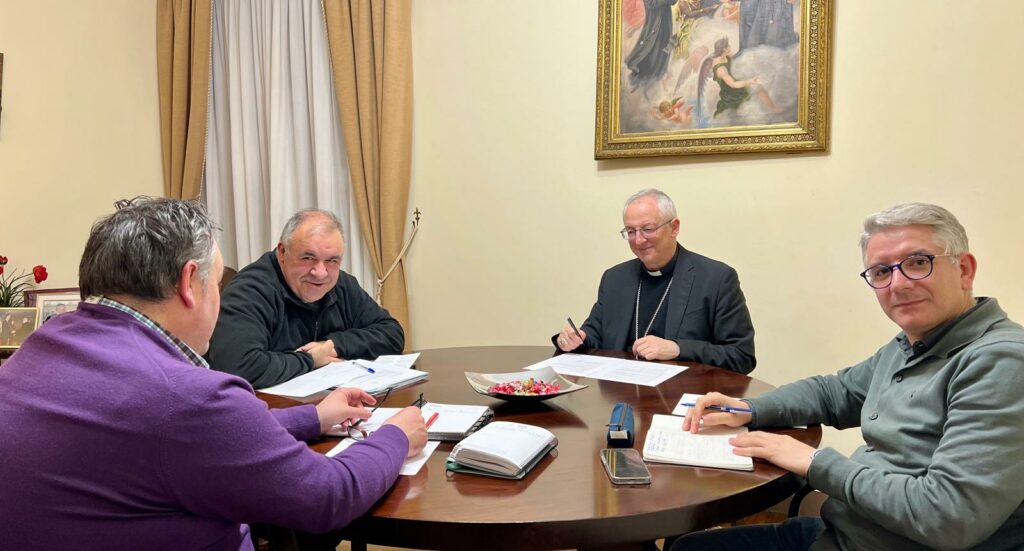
pixel 355 374
pixel 687 398
pixel 667 442
pixel 411 466
pixel 612 369
pixel 404 361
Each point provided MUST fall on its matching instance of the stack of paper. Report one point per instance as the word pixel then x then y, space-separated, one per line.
pixel 373 377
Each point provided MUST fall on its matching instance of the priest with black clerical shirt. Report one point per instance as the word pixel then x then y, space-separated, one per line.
pixel 669 303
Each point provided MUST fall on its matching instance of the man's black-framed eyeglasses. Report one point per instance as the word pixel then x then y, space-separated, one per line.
pixel 631 233
pixel 915 266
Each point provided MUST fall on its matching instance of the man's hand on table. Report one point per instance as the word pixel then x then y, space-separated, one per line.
pixel 785 451
pixel 322 352
pixel 655 348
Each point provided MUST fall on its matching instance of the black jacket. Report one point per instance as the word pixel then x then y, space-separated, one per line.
pixel 706 312
pixel 262 322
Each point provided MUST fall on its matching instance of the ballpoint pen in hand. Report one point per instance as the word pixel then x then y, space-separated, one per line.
pixel 727 409
pixel 574 330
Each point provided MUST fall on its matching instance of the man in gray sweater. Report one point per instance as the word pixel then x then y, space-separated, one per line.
pixel 939 406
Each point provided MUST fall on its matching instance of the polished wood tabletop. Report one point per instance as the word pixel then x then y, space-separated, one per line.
pixel 567 500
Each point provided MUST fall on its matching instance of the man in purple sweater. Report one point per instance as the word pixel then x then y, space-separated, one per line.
pixel 117 435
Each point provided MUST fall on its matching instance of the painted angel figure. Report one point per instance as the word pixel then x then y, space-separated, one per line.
pixel 673 111
pixel 732 92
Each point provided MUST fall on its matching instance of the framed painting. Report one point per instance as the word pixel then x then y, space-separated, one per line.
pixel 53 302
pixel 16 324
pixel 693 77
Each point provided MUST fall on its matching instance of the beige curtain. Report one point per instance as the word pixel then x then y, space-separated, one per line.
pixel 371 54
pixel 183 71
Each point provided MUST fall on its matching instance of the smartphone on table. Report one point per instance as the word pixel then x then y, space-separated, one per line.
pixel 625 466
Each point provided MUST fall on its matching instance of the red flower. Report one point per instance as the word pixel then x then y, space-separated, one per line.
pixel 40 273
pixel 1 269
pixel 3 260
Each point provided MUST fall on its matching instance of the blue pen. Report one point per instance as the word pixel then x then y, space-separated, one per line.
pixel 366 367
pixel 727 409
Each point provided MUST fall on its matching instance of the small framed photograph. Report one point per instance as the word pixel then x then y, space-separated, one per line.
pixel 16 324
pixel 53 302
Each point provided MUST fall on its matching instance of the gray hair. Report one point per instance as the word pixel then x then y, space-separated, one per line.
pixel 948 231
pixel 665 205
pixel 332 223
pixel 139 250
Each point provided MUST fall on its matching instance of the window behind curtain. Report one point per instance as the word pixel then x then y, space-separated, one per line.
pixel 275 143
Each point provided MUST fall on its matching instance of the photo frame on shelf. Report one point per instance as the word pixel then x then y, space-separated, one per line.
pixel 53 302
pixel 696 77
pixel 16 324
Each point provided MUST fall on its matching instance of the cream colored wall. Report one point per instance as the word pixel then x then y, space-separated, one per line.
pixel 80 124
pixel 519 220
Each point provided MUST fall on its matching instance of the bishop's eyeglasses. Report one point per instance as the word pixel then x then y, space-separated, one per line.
pixel 915 266
pixel 631 233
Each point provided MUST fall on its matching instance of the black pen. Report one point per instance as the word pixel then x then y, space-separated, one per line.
pixel 574 330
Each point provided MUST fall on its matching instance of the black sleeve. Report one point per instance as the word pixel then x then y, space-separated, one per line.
pixel 373 332
pixel 241 341
pixel 732 346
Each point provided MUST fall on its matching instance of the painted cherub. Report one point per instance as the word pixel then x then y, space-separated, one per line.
pixel 730 10
pixel 674 110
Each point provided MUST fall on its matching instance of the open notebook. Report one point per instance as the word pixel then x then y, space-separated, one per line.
pixel 453 422
pixel 666 442
pixel 502 449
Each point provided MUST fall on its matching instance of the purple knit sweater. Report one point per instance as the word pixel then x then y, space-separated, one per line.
pixel 111 439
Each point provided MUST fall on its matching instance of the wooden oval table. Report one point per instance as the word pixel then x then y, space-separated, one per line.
pixel 567 501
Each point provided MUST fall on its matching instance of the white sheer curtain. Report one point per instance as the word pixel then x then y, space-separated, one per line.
pixel 275 143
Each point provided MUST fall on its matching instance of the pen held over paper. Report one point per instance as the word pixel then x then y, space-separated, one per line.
pixel 727 409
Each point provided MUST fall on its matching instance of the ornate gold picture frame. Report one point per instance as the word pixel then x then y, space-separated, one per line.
pixel 696 77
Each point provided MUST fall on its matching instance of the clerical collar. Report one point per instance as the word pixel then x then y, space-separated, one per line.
pixel 665 270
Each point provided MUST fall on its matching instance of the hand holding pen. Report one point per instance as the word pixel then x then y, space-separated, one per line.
pixel 570 338
pixel 410 421
pixel 727 411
